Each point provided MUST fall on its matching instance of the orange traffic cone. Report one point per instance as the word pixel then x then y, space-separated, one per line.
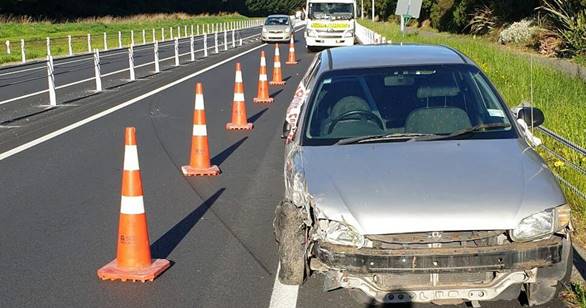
pixel 277 72
pixel 133 256
pixel 292 59
pixel 199 161
pixel 263 82
pixel 239 118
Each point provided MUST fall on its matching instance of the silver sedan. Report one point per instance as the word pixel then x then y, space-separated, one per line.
pixel 277 28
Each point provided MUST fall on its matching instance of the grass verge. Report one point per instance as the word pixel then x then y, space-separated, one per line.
pixel 35 32
pixel 575 297
pixel 561 97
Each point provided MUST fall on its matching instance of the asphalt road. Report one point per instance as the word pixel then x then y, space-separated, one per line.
pixel 61 198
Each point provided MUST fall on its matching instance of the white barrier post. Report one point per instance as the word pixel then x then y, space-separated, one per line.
pixel 197 28
pixel 233 39
pixel 154 35
pixel 89 43
pixel 143 37
pixel 208 25
pixel 205 45
pixel 171 33
pixel 131 37
pixel 97 70
pixel 178 31
pixel 22 51
pixel 131 62
pixel 119 39
pixel 225 40
pixel 156 53
pixel 69 46
pixel 7 47
pixel 105 41
pixel 192 33
pixel 162 34
pixel 51 79
pixel 191 50
pixel 48 46
pixel 185 31
pixel 216 42
pixel 176 47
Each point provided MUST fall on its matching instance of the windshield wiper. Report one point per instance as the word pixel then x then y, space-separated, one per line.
pixel 465 131
pixel 383 138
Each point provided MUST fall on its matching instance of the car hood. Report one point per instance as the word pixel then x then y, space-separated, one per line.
pixel 429 186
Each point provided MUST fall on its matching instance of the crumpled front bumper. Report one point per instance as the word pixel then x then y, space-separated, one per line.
pixel 441 274
pixel 435 260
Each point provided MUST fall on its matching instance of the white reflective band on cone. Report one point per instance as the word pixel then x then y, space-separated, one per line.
pixel 263 77
pixel 132 205
pixel 130 158
pixel 238 97
pixel 199 102
pixel 200 130
pixel 263 62
pixel 277 64
pixel 238 76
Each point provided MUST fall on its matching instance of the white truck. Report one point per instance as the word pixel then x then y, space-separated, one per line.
pixel 330 23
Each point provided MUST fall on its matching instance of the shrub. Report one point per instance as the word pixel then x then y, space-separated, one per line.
pixel 518 32
pixel 483 21
pixel 568 20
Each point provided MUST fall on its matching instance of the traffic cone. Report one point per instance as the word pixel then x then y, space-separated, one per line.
pixel 263 83
pixel 277 72
pixel 239 118
pixel 199 161
pixel 133 255
pixel 292 59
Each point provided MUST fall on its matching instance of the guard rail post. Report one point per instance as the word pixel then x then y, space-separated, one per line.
pixel 89 43
pixel 233 39
pixel 97 71
pixel 7 47
pixel 225 40
pixel 131 63
pixel 48 46
pixel 22 51
pixel 176 48
pixel 105 41
pixel 156 55
pixel 119 39
pixel 205 45
pixel 191 50
pixel 143 37
pixel 69 45
pixel 131 37
pixel 216 42
pixel 51 79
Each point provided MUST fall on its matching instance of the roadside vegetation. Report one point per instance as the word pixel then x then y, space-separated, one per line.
pixel 575 297
pixel 35 32
pixel 561 97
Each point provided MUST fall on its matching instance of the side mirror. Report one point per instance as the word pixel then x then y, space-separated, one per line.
pixel 531 115
pixel 286 129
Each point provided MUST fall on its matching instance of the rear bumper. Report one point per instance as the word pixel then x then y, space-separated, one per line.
pixel 519 256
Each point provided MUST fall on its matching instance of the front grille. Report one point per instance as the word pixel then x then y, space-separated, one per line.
pixel 422 281
pixel 439 239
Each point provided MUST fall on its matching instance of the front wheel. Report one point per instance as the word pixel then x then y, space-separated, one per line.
pixel 289 228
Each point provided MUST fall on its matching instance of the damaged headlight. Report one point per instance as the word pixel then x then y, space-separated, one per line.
pixel 541 225
pixel 341 234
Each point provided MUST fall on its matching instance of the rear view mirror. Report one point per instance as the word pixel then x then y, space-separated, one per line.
pixel 531 115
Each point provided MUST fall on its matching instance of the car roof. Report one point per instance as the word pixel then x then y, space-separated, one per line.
pixel 365 56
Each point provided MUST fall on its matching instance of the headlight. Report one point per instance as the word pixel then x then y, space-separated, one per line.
pixel 541 225
pixel 310 32
pixel 341 234
pixel 264 30
pixel 350 33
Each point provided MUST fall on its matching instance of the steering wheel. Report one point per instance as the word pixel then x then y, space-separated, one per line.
pixel 362 114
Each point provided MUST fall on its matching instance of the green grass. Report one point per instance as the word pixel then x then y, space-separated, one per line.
pixel 35 33
pixel 561 97
pixel 575 297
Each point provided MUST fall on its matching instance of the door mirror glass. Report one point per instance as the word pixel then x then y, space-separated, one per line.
pixel 286 129
pixel 531 115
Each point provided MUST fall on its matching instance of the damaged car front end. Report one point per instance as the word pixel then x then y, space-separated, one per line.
pixel 440 200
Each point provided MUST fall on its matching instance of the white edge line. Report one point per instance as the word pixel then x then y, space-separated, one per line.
pixel 101 114
pixel 283 296
pixel 104 75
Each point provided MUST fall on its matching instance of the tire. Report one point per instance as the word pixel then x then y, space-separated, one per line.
pixel 290 235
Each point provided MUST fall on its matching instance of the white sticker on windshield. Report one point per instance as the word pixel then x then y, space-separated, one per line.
pixel 496 113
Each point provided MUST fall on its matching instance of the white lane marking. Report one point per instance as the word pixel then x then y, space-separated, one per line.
pixel 104 75
pixel 283 296
pixel 104 113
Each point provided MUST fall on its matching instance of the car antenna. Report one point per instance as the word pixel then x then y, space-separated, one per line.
pixel 531 90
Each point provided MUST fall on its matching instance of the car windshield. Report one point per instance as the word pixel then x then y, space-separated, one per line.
pixel 331 11
pixel 277 21
pixel 405 103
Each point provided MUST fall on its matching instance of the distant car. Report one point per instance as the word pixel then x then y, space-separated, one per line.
pixel 277 28
pixel 407 179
